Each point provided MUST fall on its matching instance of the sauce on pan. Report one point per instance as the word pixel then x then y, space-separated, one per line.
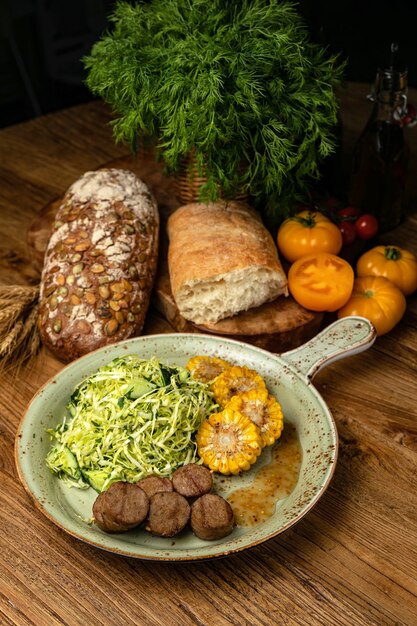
pixel 274 481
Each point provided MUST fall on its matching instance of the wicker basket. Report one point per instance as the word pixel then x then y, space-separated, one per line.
pixel 188 183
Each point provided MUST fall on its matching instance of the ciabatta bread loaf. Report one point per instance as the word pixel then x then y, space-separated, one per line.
pixel 222 260
pixel 100 263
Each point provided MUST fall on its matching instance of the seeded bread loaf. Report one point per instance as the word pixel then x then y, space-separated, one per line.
pixel 100 263
pixel 222 260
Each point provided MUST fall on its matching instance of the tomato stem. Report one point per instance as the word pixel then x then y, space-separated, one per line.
pixel 308 221
pixel 392 254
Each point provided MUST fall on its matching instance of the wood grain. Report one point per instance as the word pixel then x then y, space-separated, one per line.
pixel 351 562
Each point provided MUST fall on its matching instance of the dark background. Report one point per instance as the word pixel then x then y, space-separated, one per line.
pixel 42 41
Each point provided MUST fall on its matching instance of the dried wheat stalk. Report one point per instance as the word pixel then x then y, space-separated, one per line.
pixel 19 336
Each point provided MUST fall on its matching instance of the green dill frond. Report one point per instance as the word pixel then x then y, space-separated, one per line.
pixel 238 83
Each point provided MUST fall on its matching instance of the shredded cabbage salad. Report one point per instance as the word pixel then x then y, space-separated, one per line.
pixel 132 418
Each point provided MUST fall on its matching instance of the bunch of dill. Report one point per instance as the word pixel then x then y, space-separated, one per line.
pixel 238 83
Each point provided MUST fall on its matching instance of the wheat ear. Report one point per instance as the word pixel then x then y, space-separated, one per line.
pixel 19 335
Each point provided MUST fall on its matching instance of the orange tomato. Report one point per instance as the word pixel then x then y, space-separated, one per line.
pixel 392 262
pixel 321 282
pixel 377 299
pixel 308 232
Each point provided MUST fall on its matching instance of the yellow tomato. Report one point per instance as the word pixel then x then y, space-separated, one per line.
pixel 321 282
pixel 392 262
pixel 377 299
pixel 306 233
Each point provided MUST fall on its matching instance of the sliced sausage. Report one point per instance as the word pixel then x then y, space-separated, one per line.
pixel 169 513
pixel 192 480
pixel 121 507
pixel 154 484
pixel 211 517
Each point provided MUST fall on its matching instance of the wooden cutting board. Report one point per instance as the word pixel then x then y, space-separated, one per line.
pixel 277 326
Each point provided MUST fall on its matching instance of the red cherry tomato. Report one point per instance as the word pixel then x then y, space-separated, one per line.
pixel 409 119
pixel 348 231
pixel 348 211
pixel 366 226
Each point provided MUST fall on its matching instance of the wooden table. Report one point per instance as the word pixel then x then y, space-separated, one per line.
pixel 351 561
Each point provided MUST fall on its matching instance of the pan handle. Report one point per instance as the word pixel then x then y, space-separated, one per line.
pixel 347 336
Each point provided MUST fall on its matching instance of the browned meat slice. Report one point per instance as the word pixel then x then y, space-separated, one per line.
pixel 154 484
pixel 192 480
pixel 169 513
pixel 211 517
pixel 121 507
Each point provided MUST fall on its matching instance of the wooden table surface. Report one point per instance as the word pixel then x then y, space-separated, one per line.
pixel 351 561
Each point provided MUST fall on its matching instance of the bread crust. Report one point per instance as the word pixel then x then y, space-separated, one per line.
pixel 209 242
pixel 100 264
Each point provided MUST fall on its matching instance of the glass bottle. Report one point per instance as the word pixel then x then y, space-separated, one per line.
pixel 380 158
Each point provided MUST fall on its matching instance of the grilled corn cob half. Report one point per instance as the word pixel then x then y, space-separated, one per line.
pixel 229 442
pixel 236 380
pixel 263 410
pixel 206 368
